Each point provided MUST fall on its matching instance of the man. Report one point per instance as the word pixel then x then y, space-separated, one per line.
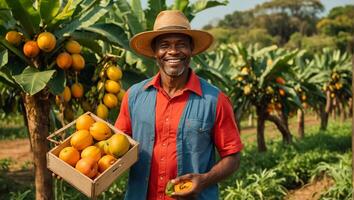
pixel 177 117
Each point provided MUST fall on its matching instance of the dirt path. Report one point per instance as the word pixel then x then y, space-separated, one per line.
pixel 19 153
pixel 311 191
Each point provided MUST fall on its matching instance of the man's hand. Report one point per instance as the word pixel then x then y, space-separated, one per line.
pixel 199 184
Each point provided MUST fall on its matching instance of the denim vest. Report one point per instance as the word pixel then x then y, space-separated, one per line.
pixel 195 147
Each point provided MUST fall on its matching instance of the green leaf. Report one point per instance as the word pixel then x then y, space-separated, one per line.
pixel 155 6
pixel 24 12
pixel 87 19
pixel 5 78
pixel 57 84
pixel 112 32
pixel 32 80
pixel 201 5
pixel 66 13
pixel 180 5
pixel 3 58
pixel 133 16
pixel 49 9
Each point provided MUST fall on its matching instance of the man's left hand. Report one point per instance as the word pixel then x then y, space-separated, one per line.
pixel 199 183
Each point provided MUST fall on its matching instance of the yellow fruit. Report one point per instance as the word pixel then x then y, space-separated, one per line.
pixel 31 49
pixel 101 145
pixel 247 89
pixel 84 122
pixel 269 62
pixel 81 139
pixel 64 60
pixel 13 37
pixel 118 145
pixel 66 94
pixel 114 73
pixel 78 62
pixel 110 100
pixel 112 86
pixel 87 166
pixel 100 131
pixel 69 155
pixel 77 90
pixel 102 111
pixel 100 85
pixel 92 152
pixel 184 186
pixel 46 41
pixel 73 46
pixel 121 95
pixel 303 97
pixel 245 70
pixel 282 92
pixel 105 162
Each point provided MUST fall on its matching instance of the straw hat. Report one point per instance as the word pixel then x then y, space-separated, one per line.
pixel 170 21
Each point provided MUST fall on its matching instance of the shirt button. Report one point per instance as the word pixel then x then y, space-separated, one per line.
pixel 162 158
pixel 166 119
pixel 161 177
pixel 163 144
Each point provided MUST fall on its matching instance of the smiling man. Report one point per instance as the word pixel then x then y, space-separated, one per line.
pixel 178 118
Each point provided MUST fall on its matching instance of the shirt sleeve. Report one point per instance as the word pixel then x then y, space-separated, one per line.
pixel 226 135
pixel 123 122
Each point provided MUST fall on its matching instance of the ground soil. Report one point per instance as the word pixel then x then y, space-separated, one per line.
pixel 21 168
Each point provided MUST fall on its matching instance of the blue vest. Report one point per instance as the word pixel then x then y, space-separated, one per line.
pixel 195 147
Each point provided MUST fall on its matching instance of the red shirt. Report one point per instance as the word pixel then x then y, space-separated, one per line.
pixel 168 113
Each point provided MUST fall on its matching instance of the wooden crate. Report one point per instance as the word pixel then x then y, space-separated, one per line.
pixel 91 188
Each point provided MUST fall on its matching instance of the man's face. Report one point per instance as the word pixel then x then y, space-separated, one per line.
pixel 173 53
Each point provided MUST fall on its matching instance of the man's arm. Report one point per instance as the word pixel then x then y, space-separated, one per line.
pixel 224 168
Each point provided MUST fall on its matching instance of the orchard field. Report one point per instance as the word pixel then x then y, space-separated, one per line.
pixel 286 70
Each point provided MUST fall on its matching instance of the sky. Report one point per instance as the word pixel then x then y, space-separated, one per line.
pixel 213 14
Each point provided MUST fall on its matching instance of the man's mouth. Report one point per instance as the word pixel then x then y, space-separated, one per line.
pixel 173 60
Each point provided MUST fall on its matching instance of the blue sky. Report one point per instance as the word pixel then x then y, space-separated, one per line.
pixel 213 14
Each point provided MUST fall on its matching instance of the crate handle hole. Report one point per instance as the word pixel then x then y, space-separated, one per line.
pixel 120 165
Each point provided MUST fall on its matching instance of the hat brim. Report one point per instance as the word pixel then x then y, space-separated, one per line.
pixel 141 43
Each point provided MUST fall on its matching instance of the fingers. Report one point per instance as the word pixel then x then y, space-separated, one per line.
pixel 56 176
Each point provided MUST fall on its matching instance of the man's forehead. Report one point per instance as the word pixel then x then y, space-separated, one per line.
pixel 178 36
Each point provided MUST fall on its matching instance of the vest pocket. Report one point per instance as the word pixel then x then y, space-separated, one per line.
pixel 197 135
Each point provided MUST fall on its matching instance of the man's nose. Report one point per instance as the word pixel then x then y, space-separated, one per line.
pixel 172 50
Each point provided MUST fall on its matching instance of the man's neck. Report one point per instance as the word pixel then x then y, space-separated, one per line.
pixel 171 85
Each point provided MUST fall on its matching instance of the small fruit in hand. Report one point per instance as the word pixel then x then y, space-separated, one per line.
pixel 114 73
pixel 92 152
pixel 105 162
pixel 70 155
pixel 88 166
pixel 64 60
pixel 73 46
pixel 46 41
pixel 181 187
pixel 81 139
pixel 78 62
pixel 100 131
pixel 13 37
pixel 77 90
pixel 31 49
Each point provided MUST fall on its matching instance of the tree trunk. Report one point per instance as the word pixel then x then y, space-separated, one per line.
pixel 37 110
pixel 250 120
pixel 301 123
pixel 281 125
pixel 352 110
pixel 261 113
pixel 325 111
pixel 342 112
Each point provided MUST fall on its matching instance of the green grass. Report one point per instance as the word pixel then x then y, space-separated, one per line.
pixel 12 127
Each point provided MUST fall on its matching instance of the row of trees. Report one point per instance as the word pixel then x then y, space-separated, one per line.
pixel 292 24
pixel 275 83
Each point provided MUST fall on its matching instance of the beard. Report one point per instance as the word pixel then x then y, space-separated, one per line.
pixel 174 71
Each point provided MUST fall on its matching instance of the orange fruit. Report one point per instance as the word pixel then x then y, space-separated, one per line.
pixel 78 62
pixel 81 139
pixel 31 49
pixel 114 73
pixel 69 155
pixel 73 46
pixel 120 95
pixel 13 37
pixel 184 186
pixel 77 90
pixel 105 162
pixel 110 100
pixel 118 145
pixel 280 80
pixel 66 94
pixel 102 111
pixel 100 131
pixel 112 86
pixel 92 152
pixel 64 60
pixel 88 166
pixel 282 92
pixel 84 122
pixel 101 145
pixel 46 41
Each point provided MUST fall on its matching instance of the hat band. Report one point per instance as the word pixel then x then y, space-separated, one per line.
pixel 172 27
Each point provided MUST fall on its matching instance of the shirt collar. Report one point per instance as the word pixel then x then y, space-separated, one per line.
pixel 193 83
